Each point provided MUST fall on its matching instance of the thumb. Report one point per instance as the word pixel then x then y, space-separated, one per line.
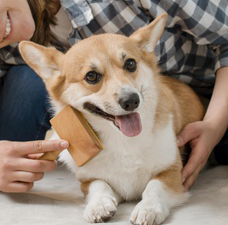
pixel 189 132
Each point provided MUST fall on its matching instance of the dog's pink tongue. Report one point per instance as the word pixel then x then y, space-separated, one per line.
pixel 130 125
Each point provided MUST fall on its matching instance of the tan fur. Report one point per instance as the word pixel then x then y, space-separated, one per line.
pixel 85 186
pixel 174 95
pixel 143 35
pixel 173 98
pixel 82 58
pixel 171 176
pixel 106 54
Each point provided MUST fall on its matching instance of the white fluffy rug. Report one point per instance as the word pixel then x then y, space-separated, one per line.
pixel 57 200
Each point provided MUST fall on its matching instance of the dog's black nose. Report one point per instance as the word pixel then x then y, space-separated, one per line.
pixel 130 103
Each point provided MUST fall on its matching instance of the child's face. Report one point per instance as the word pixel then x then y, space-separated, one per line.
pixel 16 21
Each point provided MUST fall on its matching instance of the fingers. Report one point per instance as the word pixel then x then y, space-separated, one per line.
pixel 188 171
pixel 27 177
pixel 29 165
pixel 25 148
pixel 18 172
pixel 190 167
pixel 191 171
pixel 17 187
pixel 199 136
pixel 34 156
pixel 190 132
pixel 191 179
pixel 22 180
pixel 36 166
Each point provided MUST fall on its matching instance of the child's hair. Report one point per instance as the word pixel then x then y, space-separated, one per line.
pixel 43 12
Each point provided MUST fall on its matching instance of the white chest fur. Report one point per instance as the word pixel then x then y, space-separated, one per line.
pixel 127 164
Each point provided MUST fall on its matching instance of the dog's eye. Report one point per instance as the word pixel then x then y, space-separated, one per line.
pixel 130 65
pixel 93 77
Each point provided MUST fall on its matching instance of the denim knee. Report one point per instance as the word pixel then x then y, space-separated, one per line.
pixel 24 106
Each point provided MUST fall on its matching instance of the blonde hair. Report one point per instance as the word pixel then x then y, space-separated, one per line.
pixel 43 12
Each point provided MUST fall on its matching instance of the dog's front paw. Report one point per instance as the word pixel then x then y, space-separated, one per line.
pixel 100 209
pixel 148 213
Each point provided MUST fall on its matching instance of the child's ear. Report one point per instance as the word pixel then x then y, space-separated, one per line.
pixel 46 61
pixel 148 36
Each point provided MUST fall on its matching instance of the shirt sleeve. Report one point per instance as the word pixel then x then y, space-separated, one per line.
pixel 222 56
pixel 9 56
pixel 3 68
pixel 206 22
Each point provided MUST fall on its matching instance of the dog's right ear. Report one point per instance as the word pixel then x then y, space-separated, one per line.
pixel 46 61
pixel 148 36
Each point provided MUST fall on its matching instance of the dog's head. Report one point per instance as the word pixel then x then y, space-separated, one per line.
pixel 106 76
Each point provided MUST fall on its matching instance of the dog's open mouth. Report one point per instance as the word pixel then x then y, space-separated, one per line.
pixel 129 125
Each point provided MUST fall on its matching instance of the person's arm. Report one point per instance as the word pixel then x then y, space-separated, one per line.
pixel 19 166
pixel 204 135
pixel 209 28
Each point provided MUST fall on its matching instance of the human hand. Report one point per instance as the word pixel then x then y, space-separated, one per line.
pixel 202 138
pixel 204 135
pixel 20 166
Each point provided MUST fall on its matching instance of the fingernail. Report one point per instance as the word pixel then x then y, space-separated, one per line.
pixel 183 180
pixel 64 144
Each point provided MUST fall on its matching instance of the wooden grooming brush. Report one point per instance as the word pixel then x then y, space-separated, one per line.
pixel 71 125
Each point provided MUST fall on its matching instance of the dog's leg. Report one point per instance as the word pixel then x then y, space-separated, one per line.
pixel 162 193
pixel 102 201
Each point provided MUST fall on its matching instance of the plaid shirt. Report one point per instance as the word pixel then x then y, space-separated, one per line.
pixel 193 46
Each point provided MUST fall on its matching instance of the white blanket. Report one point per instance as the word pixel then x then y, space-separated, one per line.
pixel 57 200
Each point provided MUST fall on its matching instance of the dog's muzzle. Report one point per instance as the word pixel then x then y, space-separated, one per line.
pixel 129 102
pixel 129 124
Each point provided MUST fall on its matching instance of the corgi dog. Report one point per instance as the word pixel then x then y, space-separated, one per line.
pixel 115 82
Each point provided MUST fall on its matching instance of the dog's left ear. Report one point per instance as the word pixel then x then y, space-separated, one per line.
pixel 46 61
pixel 148 36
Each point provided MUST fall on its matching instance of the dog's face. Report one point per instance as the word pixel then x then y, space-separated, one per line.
pixel 105 76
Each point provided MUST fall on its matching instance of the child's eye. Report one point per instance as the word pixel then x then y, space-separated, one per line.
pixel 93 77
pixel 130 65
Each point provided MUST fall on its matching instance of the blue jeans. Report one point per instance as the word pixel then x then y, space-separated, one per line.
pixel 24 106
